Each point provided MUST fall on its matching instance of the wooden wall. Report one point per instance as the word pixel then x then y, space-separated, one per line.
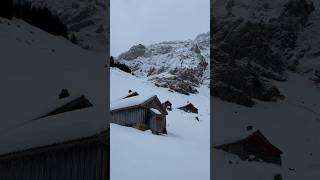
pixel 128 116
pixel 140 115
pixel 155 105
pixel 153 123
pixel 85 162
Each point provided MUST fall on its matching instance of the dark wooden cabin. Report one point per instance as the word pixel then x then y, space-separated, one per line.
pixel 257 145
pixel 147 111
pixel 167 105
pixel 69 146
pixel 85 158
pixel 189 108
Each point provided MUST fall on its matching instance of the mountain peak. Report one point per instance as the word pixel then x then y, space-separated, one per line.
pixel 181 66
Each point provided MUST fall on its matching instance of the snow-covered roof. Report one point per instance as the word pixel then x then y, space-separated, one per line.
pixel 232 137
pixel 53 129
pixel 129 102
pixel 36 67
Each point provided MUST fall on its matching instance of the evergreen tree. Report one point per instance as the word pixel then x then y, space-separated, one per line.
pixel 40 17
pixel 120 66
pixel 112 62
pixel 6 9
pixel 73 39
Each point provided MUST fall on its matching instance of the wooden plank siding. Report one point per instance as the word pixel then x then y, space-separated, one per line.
pixel 153 122
pixel 156 105
pixel 85 161
pixel 129 116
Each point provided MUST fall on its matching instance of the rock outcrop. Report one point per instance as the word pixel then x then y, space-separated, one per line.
pixel 255 42
pixel 181 66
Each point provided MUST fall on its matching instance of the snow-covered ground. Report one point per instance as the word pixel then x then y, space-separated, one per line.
pixel 184 153
pixel 291 125
pixel 35 67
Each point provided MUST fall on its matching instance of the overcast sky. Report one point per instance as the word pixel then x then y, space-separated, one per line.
pixel 151 21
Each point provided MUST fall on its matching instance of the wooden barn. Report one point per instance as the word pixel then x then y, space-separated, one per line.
pixel 70 142
pixel 137 110
pixel 189 108
pixel 167 105
pixel 254 147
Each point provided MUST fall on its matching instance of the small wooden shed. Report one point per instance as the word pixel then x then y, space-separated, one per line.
pixel 189 108
pixel 83 158
pixel 254 147
pixel 66 145
pixel 167 105
pixel 146 110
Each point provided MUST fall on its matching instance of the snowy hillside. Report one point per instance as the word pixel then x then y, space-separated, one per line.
pixel 291 123
pixel 182 66
pixel 255 42
pixel 36 66
pixel 87 19
pixel 183 153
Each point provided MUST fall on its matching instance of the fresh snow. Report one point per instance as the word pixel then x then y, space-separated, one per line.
pixel 35 67
pixel 184 153
pixel 169 56
pixel 155 111
pixel 128 102
pixel 292 125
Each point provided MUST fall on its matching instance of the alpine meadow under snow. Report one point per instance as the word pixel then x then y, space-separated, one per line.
pixel 182 153
pixel 291 122
pixel 36 66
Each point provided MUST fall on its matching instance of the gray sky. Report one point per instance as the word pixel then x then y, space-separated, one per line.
pixel 151 21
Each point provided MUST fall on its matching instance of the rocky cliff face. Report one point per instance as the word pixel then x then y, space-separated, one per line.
pixel 86 19
pixel 182 66
pixel 255 42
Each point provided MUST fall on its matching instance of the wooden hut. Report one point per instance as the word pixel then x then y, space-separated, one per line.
pixel 167 105
pixel 189 108
pixel 254 147
pixel 67 144
pixel 145 110
pixel 84 158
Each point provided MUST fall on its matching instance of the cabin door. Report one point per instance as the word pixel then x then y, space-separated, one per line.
pixel 159 123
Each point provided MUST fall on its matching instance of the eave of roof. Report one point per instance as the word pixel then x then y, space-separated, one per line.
pixel 141 105
pixel 99 138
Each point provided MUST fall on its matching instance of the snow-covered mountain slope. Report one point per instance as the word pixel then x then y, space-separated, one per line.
pixel 254 42
pixel 183 153
pixel 36 66
pixel 182 66
pixel 291 125
pixel 87 19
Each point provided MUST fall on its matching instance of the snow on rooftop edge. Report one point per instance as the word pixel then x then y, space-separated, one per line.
pixel 54 129
pixel 131 101
pixel 155 110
